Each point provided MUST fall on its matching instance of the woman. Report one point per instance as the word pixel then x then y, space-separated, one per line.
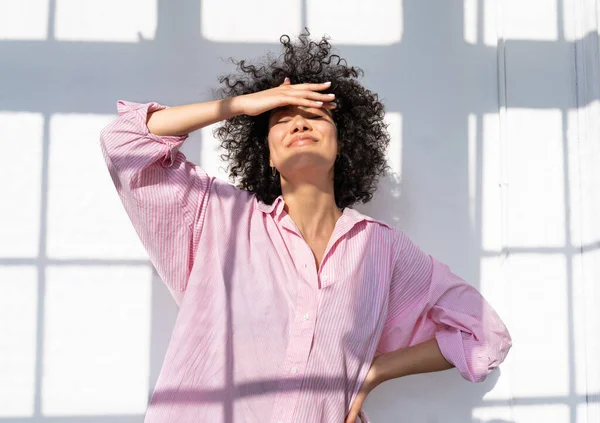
pixel 293 305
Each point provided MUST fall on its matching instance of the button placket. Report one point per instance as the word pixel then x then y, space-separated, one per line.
pixel 301 337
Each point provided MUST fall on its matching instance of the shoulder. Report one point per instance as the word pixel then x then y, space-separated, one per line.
pixel 359 216
pixel 382 232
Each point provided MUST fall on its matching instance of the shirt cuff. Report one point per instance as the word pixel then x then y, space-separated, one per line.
pixel 139 112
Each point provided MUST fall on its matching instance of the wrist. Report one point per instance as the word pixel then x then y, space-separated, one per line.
pixel 392 365
pixel 234 106
pixel 383 368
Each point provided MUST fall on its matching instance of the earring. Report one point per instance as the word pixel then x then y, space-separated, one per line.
pixel 274 170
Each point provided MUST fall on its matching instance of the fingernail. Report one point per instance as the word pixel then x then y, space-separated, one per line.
pixel 320 103
pixel 331 95
pixel 327 83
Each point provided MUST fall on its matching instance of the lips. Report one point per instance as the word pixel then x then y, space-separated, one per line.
pixel 303 139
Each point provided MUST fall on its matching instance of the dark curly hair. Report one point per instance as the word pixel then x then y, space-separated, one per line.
pixel 358 116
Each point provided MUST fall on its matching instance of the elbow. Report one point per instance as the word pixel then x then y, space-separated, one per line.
pixel 486 358
pixel 474 358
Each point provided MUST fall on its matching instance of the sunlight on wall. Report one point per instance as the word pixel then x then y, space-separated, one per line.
pixel 538 285
pixel 577 23
pixel 491 192
pixel 209 154
pixel 490 22
pixel 85 215
pixel 24 19
pixel 536 178
pixel 472 168
pixel 21 138
pixel 584 175
pixel 394 153
pixel 531 20
pixel 96 340
pixel 588 413
pixel 534 287
pixel 376 22
pixel 247 21
pixel 107 20
pixel 584 180
pixel 586 321
pixel 18 327
pixel 494 269
pixel 470 27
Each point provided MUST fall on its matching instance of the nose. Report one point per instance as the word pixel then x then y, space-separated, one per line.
pixel 300 124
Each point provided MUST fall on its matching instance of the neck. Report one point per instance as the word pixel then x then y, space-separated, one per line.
pixel 312 208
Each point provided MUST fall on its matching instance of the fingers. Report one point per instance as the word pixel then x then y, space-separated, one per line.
pixel 306 95
pixel 307 91
pixel 312 87
pixel 300 101
pixel 352 416
pixel 311 95
pixel 309 98
pixel 307 86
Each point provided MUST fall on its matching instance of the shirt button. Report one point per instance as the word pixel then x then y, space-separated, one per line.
pixel 294 370
pixel 305 265
pixel 306 316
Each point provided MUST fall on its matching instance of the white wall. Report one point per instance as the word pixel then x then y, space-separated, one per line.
pixel 494 109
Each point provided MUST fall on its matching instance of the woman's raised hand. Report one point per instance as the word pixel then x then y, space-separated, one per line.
pixel 286 94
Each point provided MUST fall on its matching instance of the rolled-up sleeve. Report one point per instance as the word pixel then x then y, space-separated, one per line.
pixel 164 195
pixel 428 300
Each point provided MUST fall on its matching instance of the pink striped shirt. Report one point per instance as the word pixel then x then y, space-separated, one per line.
pixel 262 335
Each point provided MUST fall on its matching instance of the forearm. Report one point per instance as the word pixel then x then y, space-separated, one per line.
pixel 184 119
pixel 421 358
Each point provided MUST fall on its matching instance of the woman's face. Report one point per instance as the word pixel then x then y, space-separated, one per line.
pixel 302 139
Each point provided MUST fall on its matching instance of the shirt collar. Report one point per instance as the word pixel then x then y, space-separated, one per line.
pixel 277 204
pixel 353 215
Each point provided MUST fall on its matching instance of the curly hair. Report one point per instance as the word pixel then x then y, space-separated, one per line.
pixel 359 117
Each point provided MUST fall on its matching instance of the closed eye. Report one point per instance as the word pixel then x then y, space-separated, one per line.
pixel 310 117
